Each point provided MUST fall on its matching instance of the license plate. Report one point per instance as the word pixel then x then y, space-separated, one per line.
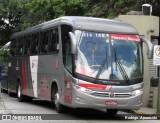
pixel 112 103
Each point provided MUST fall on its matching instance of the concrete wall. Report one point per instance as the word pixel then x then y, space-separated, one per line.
pixel 147 26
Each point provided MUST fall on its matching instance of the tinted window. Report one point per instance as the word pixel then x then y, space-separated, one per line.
pixel 54 41
pixel 13 47
pixel 27 45
pixel 34 44
pixel 19 46
pixel 66 47
pixel 44 42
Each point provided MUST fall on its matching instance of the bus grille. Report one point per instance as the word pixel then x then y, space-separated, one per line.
pixel 116 95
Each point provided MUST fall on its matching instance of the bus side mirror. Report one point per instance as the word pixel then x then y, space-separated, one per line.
pixel 149 48
pixel 154 81
pixel 73 43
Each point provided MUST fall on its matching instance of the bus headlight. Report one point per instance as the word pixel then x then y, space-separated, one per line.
pixel 83 89
pixel 137 92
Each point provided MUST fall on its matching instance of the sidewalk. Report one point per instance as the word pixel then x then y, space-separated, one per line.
pixel 3 109
pixel 145 111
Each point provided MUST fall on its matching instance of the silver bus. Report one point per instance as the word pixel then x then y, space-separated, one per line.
pixel 79 62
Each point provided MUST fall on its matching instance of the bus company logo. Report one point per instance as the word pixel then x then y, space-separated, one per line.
pixel 111 82
pixel 112 95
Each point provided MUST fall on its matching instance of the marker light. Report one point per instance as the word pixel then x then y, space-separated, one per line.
pixel 137 92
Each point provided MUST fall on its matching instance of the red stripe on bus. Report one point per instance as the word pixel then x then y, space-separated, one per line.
pixel 93 86
pixel 57 63
pixel 24 78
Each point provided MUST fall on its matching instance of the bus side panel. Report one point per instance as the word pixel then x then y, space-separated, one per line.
pixel 33 74
pixel 24 74
pixel 42 83
pixel 11 74
pixel 29 82
pixel 68 92
pixel 50 69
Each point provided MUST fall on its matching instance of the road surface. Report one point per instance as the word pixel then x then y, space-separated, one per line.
pixel 42 111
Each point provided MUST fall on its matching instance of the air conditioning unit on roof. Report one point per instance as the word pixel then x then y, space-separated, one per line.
pixel 146 9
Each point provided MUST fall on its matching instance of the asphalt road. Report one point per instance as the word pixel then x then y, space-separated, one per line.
pixel 43 111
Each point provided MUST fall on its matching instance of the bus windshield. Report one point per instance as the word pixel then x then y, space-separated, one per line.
pixel 109 56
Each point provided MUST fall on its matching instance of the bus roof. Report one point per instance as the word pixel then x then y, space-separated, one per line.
pixel 84 23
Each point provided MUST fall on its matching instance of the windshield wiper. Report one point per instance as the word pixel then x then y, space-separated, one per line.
pixel 101 68
pixel 121 68
pixel 123 72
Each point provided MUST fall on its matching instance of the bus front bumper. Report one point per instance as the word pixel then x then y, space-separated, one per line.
pixel 85 100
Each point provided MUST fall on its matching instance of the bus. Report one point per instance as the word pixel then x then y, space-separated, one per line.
pixel 79 62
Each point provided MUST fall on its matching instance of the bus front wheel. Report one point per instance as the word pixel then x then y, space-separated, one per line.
pixel 55 99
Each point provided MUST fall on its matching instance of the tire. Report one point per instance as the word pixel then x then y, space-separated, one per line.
pixel 19 94
pixel 55 99
pixel 111 112
pixel 28 99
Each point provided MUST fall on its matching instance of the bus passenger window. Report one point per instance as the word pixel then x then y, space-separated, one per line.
pixel 13 47
pixel 66 47
pixel 44 42
pixel 19 46
pixel 27 45
pixel 34 44
pixel 68 57
pixel 54 42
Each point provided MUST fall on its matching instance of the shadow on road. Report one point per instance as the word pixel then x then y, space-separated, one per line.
pixel 72 114
pixel 78 114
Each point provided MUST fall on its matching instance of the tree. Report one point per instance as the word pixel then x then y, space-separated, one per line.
pixel 43 10
pixel 17 15
pixel 10 12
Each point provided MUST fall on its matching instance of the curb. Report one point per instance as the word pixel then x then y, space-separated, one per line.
pixel 144 114
pixel 138 112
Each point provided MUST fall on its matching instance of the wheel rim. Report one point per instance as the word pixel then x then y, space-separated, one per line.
pixel 19 91
pixel 56 100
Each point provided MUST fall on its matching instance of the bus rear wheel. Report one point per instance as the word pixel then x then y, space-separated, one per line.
pixel 111 112
pixel 55 99
pixel 19 93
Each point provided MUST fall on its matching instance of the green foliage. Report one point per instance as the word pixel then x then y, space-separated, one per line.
pixel 9 18
pixel 22 14
pixel 38 11
pixel 4 56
